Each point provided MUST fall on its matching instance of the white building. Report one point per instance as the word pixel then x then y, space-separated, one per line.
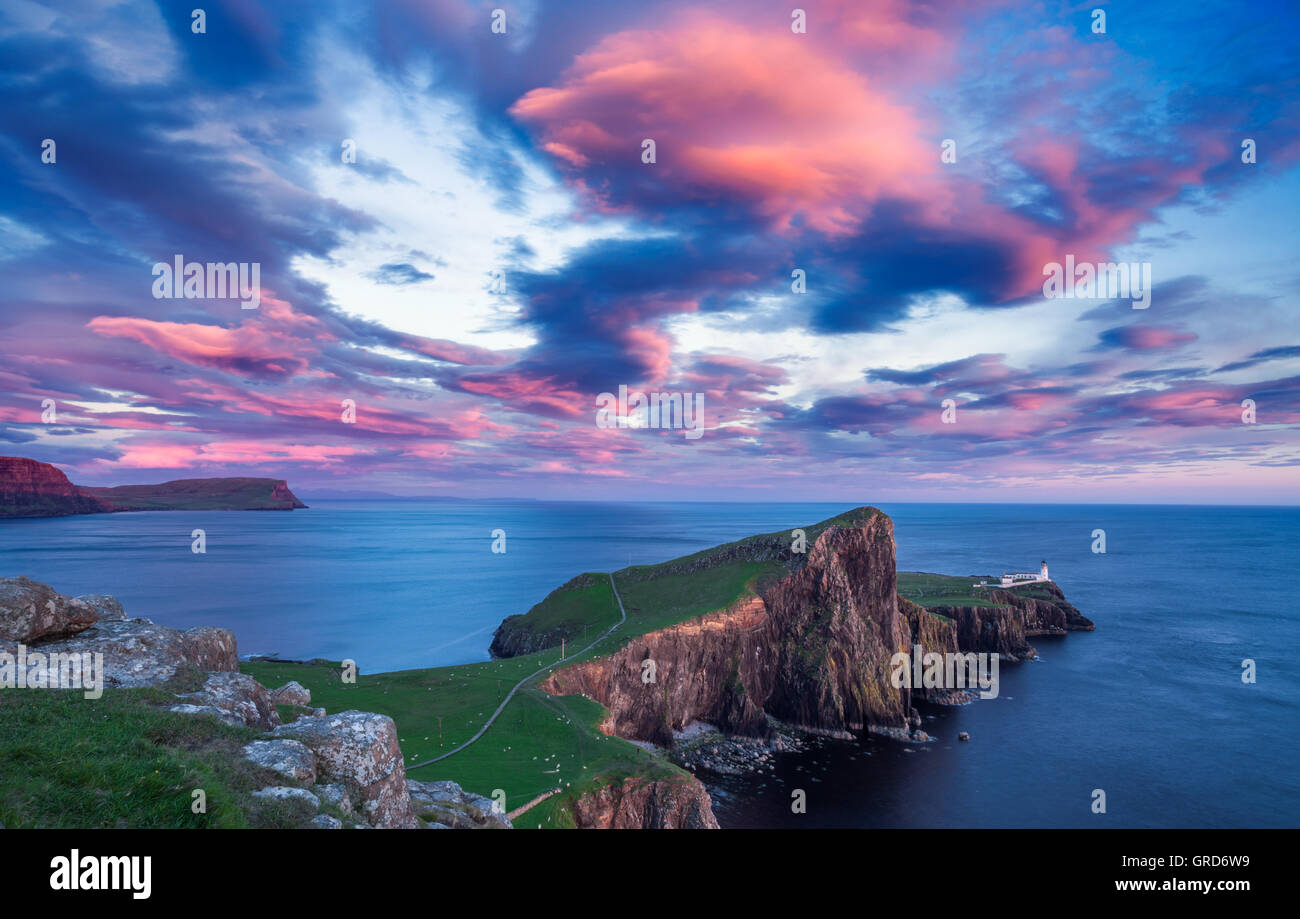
pixel 1021 577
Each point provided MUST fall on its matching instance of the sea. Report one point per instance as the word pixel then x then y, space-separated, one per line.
pixel 1146 722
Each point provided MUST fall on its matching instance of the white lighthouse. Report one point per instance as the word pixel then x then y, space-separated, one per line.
pixel 1042 572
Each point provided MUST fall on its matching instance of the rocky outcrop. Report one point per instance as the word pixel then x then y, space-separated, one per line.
pixel 812 650
pixel 447 806
pixel 32 489
pixel 30 611
pixel 235 698
pixel 515 636
pixel 645 803
pixel 360 751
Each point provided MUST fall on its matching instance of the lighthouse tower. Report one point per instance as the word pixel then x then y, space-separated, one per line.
pixel 1042 573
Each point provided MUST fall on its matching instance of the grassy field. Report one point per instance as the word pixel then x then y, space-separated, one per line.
pixel 673 598
pixel 540 742
pixel 123 761
pixel 931 590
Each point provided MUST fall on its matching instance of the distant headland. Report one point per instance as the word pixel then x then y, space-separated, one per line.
pixel 29 488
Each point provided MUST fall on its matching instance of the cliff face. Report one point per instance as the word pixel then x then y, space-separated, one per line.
pixel 636 803
pixel 32 489
pixel 813 649
pixel 1006 629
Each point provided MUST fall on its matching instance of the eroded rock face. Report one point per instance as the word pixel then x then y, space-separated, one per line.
pixel 33 489
pixel 638 803
pixel 449 806
pixel 31 611
pixel 813 650
pixel 361 751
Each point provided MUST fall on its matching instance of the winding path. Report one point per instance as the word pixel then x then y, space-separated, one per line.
pixel 510 695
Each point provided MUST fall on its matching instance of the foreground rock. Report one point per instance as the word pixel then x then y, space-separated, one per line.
pixel 360 750
pixel 30 611
pixel 139 653
pixel 445 805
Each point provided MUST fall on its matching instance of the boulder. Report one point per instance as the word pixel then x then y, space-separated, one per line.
pixel 107 607
pixel 445 805
pixel 239 696
pixel 30 611
pixel 292 693
pixel 361 751
pixel 290 758
pixel 324 822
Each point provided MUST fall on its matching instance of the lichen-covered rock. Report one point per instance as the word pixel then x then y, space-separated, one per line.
pixel 290 758
pixel 237 695
pixel 288 793
pixel 448 806
pixel 324 822
pixel 139 653
pixel 360 750
pixel 107 607
pixel 30 611
pixel 291 693
pixel 335 795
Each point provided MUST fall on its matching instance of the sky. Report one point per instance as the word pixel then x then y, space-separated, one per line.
pixel 839 247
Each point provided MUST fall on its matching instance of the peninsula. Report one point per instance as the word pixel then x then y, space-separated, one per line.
pixel 29 488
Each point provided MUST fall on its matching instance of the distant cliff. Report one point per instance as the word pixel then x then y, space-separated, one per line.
pixel 231 494
pixel 33 489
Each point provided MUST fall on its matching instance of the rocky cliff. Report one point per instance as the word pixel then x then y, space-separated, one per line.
pixel 811 648
pixel 32 489
pixel 653 804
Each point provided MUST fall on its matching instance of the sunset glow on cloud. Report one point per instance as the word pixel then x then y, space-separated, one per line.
pixel 499 252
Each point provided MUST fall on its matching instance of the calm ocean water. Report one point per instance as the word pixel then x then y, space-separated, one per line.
pixel 1149 708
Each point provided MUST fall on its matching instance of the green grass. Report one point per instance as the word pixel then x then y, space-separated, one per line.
pixel 672 598
pixel 122 761
pixel 577 612
pixel 539 742
pixel 931 590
